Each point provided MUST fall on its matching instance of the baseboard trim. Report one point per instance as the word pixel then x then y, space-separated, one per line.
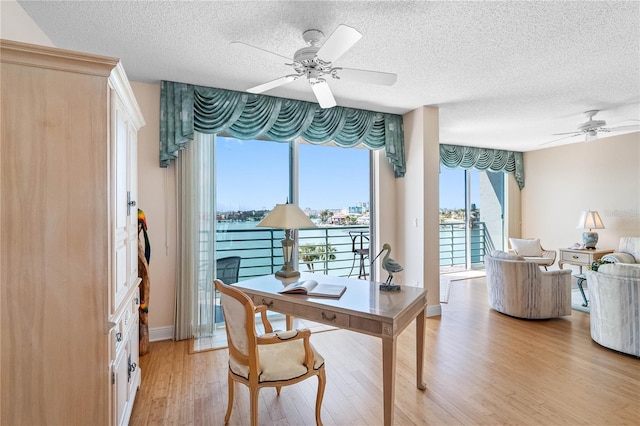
pixel 161 333
pixel 434 310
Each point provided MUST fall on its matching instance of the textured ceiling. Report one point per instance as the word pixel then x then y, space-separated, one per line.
pixel 505 75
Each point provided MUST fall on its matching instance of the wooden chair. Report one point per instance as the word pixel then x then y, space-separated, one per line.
pixel 274 359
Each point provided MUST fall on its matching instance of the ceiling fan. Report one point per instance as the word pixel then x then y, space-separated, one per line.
pixel 592 127
pixel 315 62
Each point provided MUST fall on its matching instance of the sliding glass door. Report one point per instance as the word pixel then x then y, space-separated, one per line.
pixel 471 217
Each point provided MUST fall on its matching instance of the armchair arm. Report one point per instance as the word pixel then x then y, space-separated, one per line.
pixel 619 258
pixel 549 254
pixel 284 336
pixel 262 309
pixel 556 272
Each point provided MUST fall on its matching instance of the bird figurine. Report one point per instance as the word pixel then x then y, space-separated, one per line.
pixel 389 265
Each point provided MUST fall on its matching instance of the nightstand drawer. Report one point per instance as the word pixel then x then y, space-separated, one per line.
pixel 575 257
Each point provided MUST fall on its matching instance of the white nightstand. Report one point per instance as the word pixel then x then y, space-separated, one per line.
pixel 583 257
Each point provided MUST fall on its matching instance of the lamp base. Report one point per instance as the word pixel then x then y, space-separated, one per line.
pixel 590 239
pixel 283 273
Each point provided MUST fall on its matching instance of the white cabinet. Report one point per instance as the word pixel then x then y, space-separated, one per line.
pixel 68 260
pixel 126 374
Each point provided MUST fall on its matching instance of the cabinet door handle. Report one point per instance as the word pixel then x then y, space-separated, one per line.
pixel 130 203
pixel 119 337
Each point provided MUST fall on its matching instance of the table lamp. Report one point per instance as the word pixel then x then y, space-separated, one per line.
pixel 590 220
pixel 288 217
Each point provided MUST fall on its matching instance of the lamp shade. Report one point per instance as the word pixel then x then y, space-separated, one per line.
pixel 590 220
pixel 286 216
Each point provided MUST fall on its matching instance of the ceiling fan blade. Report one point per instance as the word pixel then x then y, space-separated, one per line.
pixel 323 94
pixel 365 76
pixel 630 128
pixel 556 140
pixel 249 50
pixel 273 83
pixel 341 40
pixel 567 133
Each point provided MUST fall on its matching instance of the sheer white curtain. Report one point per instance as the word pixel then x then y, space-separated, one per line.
pixel 196 239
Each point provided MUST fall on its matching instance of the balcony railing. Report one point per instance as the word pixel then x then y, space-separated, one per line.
pixel 453 250
pixel 261 248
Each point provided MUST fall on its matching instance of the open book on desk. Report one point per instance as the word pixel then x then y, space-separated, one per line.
pixel 312 288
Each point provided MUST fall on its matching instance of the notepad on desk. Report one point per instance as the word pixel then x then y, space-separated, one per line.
pixel 312 288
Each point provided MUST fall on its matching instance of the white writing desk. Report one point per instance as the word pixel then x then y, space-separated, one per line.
pixel 362 308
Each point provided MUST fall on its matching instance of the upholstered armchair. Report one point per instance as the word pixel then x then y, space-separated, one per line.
pixel 628 251
pixel 532 250
pixel 274 359
pixel 614 291
pixel 521 289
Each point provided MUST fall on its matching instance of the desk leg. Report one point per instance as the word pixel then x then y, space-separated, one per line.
pixel 420 321
pixel 388 377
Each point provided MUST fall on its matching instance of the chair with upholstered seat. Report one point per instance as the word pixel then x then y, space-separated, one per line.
pixel 274 359
pixel 532 251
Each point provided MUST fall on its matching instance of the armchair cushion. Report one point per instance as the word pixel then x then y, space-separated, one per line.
pixel 526 247
pixel 279 362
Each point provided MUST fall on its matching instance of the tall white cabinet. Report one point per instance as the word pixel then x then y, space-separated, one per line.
pixel 68 238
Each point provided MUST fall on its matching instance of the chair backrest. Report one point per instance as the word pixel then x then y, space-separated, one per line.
pixel 227 269
pixel 240 324
pixel 630 245
pixel 358 239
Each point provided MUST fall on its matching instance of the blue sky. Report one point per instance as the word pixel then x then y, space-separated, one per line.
pixel 253 175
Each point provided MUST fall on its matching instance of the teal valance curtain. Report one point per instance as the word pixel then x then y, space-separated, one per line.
pixel 186 107
pixel 495 160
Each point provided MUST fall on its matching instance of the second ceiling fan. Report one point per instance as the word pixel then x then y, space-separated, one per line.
pixel 315 63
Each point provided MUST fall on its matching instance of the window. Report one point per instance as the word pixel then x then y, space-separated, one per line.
pixel 249 178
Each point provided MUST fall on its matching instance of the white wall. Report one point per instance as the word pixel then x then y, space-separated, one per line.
pixel 16 25
pixel 156 197
pixel 418 237
pixel 602 175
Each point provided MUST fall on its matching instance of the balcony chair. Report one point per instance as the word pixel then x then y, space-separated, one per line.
pixel 358 241
pixel 274 359
pixel 227 270
pixel 532 251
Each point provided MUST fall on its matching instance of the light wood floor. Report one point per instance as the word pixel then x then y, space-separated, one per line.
pixel 481 367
